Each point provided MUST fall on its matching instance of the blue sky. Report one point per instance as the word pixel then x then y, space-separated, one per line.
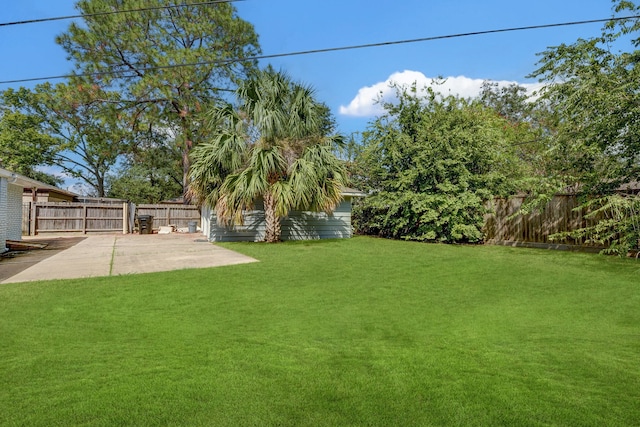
pixel 348 81
pixel 287 26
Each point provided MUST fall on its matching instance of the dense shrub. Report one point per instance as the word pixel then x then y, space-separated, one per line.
pixel 430 164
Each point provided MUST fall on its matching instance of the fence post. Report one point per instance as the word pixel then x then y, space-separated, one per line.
pixel 125 218
pixel 26 219
pixel 33 220
pixel 84 219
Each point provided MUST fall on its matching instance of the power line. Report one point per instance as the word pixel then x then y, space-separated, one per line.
pixel 89 15
pixel 325 50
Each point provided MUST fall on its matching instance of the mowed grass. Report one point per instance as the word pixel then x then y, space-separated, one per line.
pixel 332 333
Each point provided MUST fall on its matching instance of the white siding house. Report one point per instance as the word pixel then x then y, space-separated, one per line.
pixel 298 225
pixel 11 188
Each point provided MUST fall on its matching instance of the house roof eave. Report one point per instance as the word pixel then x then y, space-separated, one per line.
pixel 25 182
pixel 352 192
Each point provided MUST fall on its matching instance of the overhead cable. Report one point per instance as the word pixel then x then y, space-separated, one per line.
pixel 123 73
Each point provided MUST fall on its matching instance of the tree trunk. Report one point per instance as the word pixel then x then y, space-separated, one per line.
pixel 273 227
pixel 186 164
pixel 100 186
pixel 183 113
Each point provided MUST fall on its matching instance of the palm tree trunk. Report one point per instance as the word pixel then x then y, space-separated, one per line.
pixel 273 227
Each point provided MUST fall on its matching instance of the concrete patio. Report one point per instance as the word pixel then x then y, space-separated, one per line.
pixel 111 255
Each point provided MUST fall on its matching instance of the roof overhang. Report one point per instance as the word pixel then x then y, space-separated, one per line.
pixel 352 192
pixel 25 182
pixel 18 179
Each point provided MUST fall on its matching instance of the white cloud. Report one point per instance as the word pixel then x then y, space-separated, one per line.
pixel 366 102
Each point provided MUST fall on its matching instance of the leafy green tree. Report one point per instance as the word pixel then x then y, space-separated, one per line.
pixel 592 85
pixel 594 89
pixel 86 137
pixel 534 124
pixel 150 172
pixel 24 145
pixel 143 54
pixel 511 102
pixel 432 162
pixel 616 223
pixel 140 184
pixel 273 147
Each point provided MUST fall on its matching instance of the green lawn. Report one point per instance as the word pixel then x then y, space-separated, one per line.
pixel 354 332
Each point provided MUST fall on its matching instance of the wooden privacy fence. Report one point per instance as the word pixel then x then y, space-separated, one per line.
pixel 559 215
pixel 178 215
pixel 43 217
pixel 500 227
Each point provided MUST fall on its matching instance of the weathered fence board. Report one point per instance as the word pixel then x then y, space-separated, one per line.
pixel 178 215
pixel 26 219
pixel 76 217
pixel 503 224
pixel 44 217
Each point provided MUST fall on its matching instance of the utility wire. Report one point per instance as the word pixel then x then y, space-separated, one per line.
pixel 89 15
pixel 123 73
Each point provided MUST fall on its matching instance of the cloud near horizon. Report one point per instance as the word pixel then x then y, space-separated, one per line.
pixel 367 101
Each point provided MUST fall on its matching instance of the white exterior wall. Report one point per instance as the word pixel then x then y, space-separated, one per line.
pixel 205 220
pixel 298 225
pixel 3 214
pixel 14 212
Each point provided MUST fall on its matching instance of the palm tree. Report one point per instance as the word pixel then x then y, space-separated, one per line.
pixel 274 147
